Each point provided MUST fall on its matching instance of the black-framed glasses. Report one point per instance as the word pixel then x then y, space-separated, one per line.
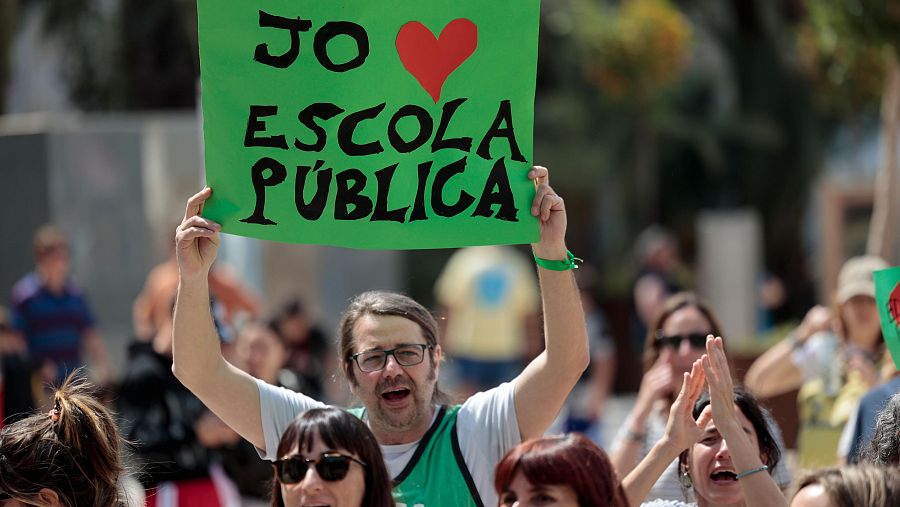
pixel 697 340
pixel 331 466
pixel 405 355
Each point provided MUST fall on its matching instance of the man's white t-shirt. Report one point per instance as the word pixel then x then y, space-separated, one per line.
pixel 486 425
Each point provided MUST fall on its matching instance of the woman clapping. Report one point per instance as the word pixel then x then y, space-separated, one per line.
pixel 725 448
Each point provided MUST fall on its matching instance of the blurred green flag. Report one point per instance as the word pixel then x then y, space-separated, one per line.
pixel 887 296
pixel 393 124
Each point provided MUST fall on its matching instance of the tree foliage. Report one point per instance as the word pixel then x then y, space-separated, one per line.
pixel 844 47
pixel 635 50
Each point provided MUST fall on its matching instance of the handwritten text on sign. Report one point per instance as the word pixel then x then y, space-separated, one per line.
pixel 396 125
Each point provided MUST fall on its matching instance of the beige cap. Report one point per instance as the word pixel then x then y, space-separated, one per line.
pixel 855 278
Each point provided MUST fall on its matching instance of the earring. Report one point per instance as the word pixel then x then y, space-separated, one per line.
pixel 685 480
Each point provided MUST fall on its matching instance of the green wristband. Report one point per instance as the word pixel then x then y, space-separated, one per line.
pixel 563 265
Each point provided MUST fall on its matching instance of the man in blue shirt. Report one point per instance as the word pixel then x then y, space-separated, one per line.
pixel 53 316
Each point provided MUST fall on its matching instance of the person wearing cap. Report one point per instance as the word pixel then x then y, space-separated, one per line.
pixel 833 357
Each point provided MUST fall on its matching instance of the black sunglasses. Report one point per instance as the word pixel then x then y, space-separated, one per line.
pixel 331 466
pixel 697 340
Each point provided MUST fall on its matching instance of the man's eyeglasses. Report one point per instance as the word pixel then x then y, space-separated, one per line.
pixel 405 355
pixel 697 340
pixel 331 466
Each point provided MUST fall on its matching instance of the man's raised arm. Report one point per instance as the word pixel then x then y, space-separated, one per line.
pixel 541 389
pixel 198 363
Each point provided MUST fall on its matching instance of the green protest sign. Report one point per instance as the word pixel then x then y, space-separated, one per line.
pixel 887 297
pixel 397 124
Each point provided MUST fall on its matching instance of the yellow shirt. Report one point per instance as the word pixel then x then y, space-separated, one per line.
pixel 488 291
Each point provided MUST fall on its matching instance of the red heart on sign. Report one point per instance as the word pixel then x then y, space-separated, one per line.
pixel 431 60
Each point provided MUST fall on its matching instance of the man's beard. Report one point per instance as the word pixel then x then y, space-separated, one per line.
pixel 406 418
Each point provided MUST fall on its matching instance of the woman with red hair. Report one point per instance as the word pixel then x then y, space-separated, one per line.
pixel 564 471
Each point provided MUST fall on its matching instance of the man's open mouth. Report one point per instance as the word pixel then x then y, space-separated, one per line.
pixel 396 394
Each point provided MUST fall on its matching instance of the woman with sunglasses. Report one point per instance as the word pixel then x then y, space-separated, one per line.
pixel 329 457
pixel 674 342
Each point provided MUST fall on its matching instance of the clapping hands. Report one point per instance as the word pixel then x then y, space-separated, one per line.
pixel 712 369
pixel 682 430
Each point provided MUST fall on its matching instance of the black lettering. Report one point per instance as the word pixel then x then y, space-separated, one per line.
pixel 437 191
pixel 458 143
pixel 312 210
pixel 502 195
pixel 382 214
pixel 504 116
pixel 295 26
pixel 348 195
pixel 254 125
pixel 333 29
pixel 426 127
pixel 307 117
pixel 348 127
pixel 418 212
pixel 260 182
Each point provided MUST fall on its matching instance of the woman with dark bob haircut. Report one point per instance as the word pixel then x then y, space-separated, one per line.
pixel 568 471
pixel 328 456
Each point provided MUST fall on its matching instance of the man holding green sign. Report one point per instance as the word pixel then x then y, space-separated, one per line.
pixel 392 124
pixel 438 455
